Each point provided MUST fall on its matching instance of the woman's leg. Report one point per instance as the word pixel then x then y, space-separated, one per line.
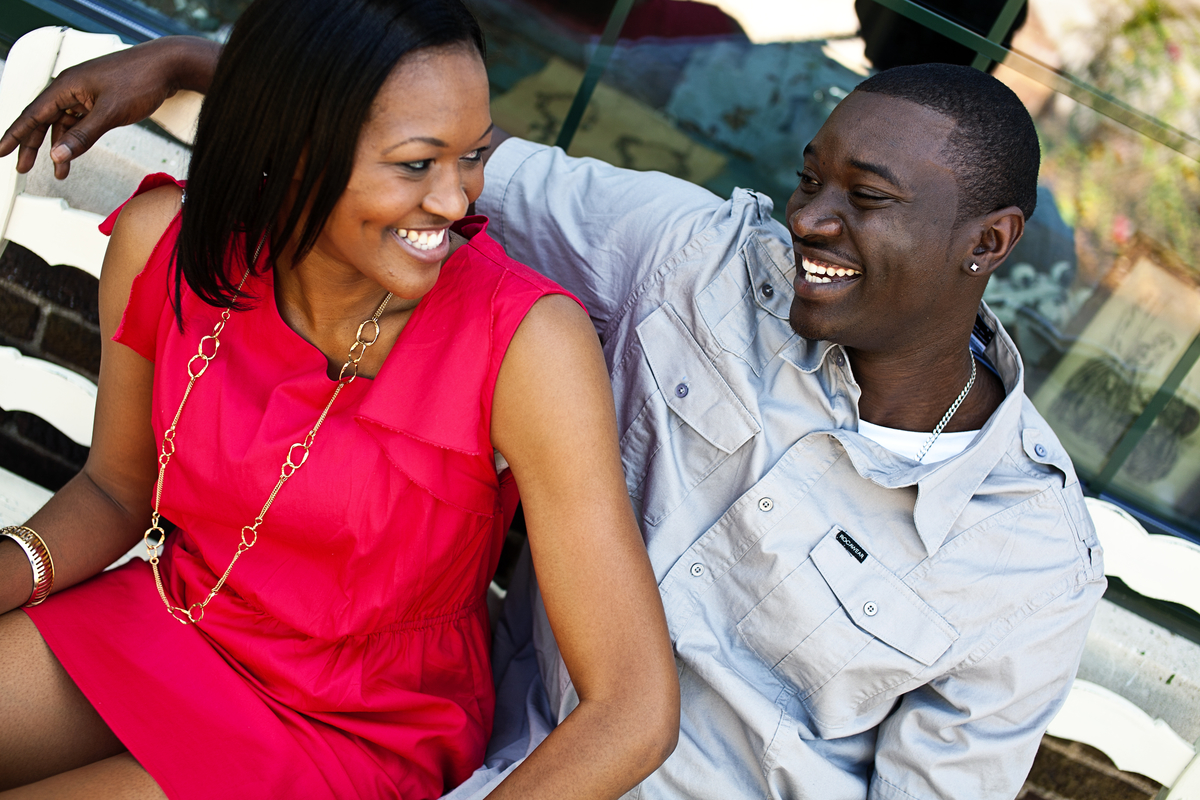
pixel 117 778
pixel 47 726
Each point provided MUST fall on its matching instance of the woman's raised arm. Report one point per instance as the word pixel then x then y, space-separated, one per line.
pixel 554 421
pixel 100 513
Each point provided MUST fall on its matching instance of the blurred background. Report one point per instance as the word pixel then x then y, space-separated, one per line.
pixel 1103 293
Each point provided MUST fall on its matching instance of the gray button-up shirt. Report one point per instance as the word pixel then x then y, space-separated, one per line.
pixel 847 623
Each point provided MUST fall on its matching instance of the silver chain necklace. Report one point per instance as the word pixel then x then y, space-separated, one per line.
pixel 950 413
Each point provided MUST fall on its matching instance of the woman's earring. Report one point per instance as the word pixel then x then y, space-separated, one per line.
pixel 974 268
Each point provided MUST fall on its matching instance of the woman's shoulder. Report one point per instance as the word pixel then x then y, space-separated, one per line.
pixel 145 216
pixel 513 288
pixel 139 223
pixel 138 230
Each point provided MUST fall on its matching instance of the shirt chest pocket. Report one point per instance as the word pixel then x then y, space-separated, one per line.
pixel 846 635
pixel 690 422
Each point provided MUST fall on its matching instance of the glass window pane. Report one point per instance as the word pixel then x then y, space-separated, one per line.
pixel 208 17
pixel 1101 294
pixel 1103 323
pixel 1162 473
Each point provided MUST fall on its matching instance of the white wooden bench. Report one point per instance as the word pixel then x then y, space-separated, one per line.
pixel 1164 568
pixel 61 397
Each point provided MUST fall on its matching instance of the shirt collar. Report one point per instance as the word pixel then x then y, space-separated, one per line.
pixel 808 356
pixel 943 488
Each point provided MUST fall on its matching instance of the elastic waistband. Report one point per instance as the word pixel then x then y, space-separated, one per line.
pixel 431 622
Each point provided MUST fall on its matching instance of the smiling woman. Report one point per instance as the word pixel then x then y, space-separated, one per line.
pixel 335 537
pixel 417 168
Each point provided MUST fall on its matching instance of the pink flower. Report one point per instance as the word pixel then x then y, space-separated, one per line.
pixel 1122 229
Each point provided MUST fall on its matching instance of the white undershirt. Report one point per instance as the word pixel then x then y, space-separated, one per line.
pixel 909 443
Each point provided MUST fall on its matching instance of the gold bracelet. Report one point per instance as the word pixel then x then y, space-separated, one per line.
pixel 39 559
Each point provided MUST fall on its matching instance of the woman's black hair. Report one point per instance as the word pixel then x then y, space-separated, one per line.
pixel 292 90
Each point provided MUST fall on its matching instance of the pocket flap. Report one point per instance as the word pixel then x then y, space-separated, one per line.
pixel 879 602
pixel 691 385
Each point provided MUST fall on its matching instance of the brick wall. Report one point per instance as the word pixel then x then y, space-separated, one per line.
pixel 1065 770
pixel 49 312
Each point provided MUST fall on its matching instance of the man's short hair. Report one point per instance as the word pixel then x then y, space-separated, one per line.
pixel 993 148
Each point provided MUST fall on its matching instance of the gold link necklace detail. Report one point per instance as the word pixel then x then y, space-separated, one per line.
pixel 196 366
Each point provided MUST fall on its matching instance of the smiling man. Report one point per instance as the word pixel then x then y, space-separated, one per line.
pixel 873 552
pixel 876 564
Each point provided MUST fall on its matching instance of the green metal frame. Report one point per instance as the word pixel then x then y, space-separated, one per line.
pixel 595 71
pixel 999 30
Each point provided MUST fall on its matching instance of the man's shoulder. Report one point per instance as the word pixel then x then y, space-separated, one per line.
pixel 737 243
pixel 1033 495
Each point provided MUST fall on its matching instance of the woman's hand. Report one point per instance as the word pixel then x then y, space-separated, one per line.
pixel 554 421
pixel 92 98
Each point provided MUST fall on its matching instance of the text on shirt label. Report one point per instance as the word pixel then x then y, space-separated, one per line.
pixel 852 547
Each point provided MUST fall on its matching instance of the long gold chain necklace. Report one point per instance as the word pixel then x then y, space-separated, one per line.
pixel 297 454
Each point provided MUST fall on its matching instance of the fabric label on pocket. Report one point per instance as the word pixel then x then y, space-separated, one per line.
pixel 882 604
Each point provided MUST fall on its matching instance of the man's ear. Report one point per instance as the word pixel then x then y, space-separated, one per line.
pixel 997 234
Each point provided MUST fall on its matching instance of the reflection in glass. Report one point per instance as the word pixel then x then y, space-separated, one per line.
pixel 893 40
pixel 1105 333
pixel 213 18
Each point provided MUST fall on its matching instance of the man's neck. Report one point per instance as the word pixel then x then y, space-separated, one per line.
pixel 914 391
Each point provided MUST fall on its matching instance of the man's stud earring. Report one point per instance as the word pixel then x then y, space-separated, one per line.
pixel 974 268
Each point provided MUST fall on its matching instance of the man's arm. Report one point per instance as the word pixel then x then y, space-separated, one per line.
pixel 974 732
pixel 596 229
pixel 92 98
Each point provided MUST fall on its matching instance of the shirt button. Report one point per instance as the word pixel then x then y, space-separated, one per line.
pixel 871 609
pixel 766 504
pixel 1040 450
pixel 841 360
pixel 681 390
pixel 697 570
pixel 768 290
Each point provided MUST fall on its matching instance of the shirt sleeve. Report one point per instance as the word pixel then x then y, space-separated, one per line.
pixel 596 229
pixel 974 731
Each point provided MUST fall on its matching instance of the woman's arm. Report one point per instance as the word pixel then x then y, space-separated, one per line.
pixel 554 421
pixel 110 91
pixel 103 510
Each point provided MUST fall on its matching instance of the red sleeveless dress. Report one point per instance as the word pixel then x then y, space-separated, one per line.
pixel 347 656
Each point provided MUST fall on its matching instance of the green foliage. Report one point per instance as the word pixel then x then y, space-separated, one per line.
pixel 1110 181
